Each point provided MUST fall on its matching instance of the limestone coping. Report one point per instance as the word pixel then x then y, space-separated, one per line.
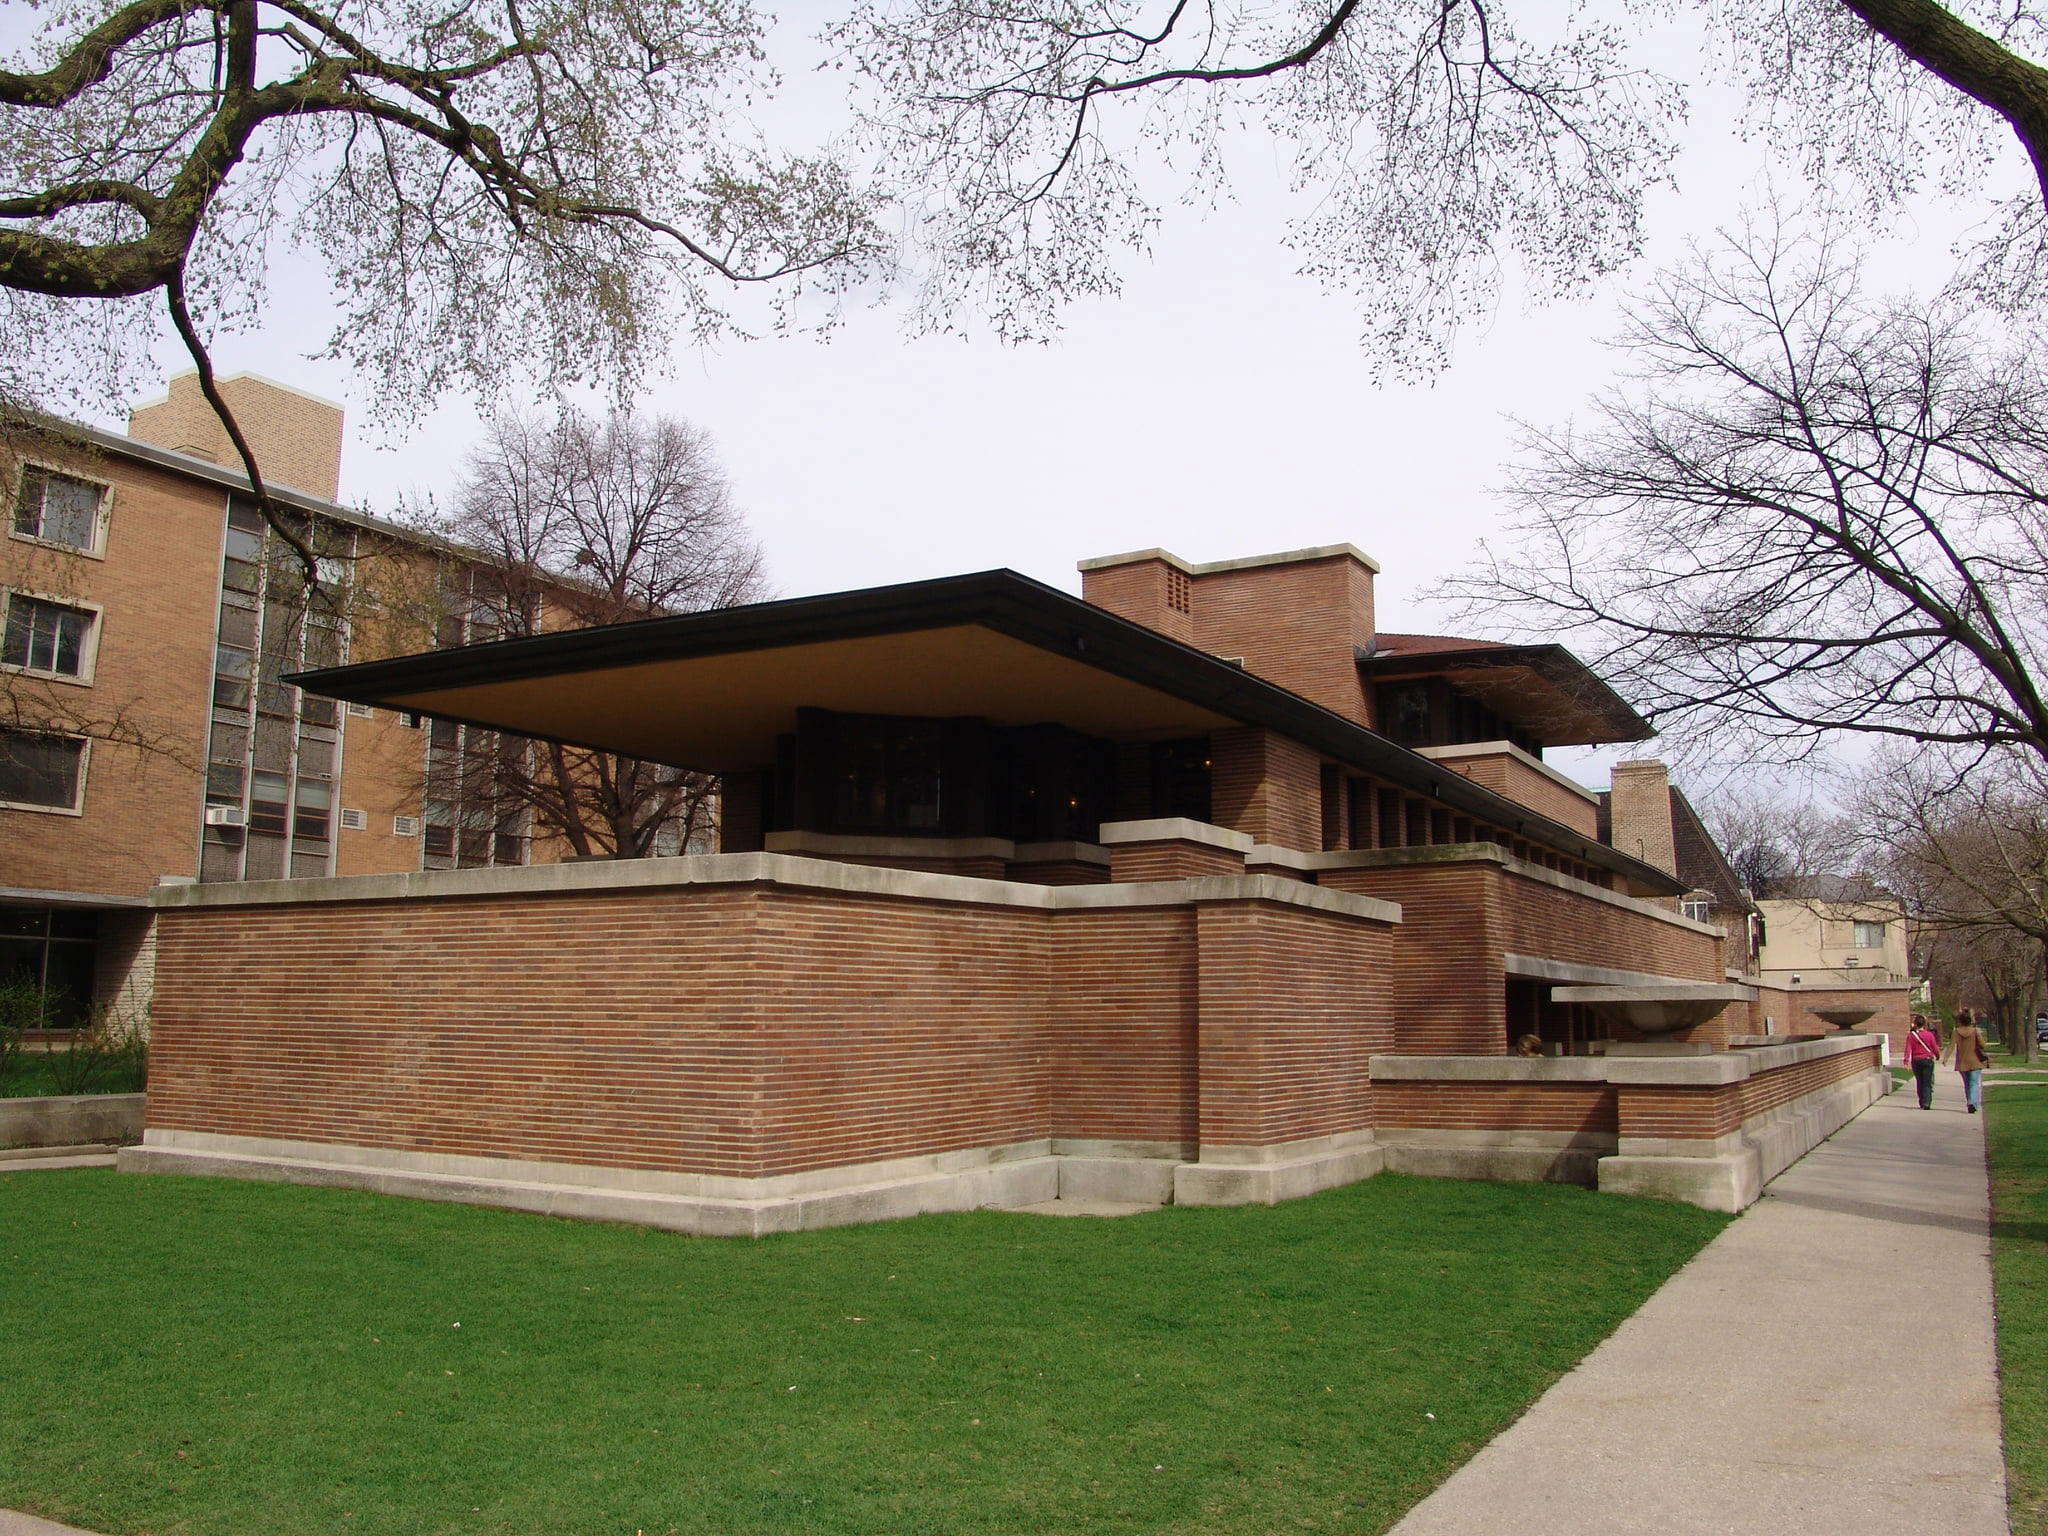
pixel 1174 829
pixel 1493 853
pixel 773 870
pixel 1702 1071
pixel 1538 968
pixel 1280 858
pixel 1061 853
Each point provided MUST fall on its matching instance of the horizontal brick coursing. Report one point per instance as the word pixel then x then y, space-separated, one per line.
pixel 1686 1112
pixel 754 1031
pixel 1581 1108
pixel 1793 1013
pixel 1290 1015
pixel 1171 861
pixel 1515 780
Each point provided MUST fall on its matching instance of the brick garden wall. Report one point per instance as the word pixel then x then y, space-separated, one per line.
pixel 743 1030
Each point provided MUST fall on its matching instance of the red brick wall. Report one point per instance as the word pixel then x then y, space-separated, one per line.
pixel 1171 861
pixel 1517 781
pixel 894 1028
pixel 1293 1003
pixel 1123 1019
pixel 609 1028
pixel 1295 625
pixel 752 1031
pixel 1685 1111
pixel 1792 1013
pixel 1580 1108
pixel 1459 919
pixel 1449 989
pixel 1138 592
pixel 1267 786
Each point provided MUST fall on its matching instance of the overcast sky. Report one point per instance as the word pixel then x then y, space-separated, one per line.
pixel 1221 408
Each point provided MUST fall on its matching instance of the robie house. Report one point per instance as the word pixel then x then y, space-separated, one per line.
pixel 1197 889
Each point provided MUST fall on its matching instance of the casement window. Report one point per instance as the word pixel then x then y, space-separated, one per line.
pixel 48 637
pixel 58 509
pixel 42 771
pixel 1868 935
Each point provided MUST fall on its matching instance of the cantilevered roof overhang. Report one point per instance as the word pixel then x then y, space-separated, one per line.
pixel 712 691
pixel 1543 688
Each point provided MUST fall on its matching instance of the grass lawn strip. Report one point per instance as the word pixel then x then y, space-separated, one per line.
pixel 222 1357
pixel 2016 1132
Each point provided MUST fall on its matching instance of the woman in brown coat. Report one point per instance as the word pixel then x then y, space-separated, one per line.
pixel 1966 1049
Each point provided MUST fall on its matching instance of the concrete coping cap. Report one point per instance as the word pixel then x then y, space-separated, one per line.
pixel 1174 829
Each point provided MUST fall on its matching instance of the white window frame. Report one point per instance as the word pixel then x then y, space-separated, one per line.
pixel 97 550
pixel 77 806
pixel 1860 941
pixel 88 653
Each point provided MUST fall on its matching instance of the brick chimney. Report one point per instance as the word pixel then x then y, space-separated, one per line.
pixel 296 437
pixel 1299 619
pixel 1639 811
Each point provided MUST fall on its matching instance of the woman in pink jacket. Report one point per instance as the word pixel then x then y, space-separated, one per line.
pixel 1923 1049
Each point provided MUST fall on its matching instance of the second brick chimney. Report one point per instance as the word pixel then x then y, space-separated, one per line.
pixel 296 437
pixel 1640 814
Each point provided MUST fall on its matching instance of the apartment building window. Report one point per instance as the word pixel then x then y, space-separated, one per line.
pixel 58 509
pixel 1867 935
pixel 48 637
pixel 42 770
pixel 274 752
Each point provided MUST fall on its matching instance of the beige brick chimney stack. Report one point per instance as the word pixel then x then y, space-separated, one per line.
pixel 1639 814
pixel 296 437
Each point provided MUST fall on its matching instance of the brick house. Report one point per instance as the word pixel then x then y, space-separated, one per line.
pixel 1197 888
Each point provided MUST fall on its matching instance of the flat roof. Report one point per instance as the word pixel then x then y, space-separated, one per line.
pixel 712 690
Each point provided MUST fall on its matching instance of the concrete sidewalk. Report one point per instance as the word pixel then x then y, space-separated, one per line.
pixel 1824 1366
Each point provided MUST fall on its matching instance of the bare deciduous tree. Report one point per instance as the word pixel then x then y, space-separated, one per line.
pixel 1967 848
pixel 576 522
pixel 545 186
pixel 1443 137
pixel 1804 511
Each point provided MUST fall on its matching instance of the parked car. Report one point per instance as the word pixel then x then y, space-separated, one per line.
pixel 2041 1029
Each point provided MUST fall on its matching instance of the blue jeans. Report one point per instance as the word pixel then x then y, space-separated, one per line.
pixel 1973 1089
pixel 1923 1082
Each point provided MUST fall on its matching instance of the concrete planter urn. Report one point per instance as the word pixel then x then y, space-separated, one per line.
pixel 1845 1018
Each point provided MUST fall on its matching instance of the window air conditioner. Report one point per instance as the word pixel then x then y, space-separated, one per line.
pixel 405 826
pixel 361 711
pixel 226 816
pixel 354 821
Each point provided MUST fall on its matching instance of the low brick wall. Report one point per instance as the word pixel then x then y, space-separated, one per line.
pixel 1710 1129
pixel 719 1024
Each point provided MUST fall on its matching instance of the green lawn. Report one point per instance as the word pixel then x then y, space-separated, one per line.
pixel 221 1357
pixel 2016 1129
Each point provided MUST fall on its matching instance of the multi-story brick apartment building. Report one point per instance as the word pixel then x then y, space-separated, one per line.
pixel 146 732
pixel 1198 888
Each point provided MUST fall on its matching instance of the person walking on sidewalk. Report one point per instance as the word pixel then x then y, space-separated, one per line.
pixel 1923 1049
pixel 1966 1046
